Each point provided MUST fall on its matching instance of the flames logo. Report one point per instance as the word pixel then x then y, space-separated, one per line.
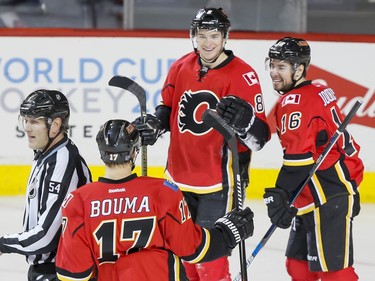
pixel 191 107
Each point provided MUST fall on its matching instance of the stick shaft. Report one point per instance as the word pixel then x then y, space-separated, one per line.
pixel 328 148
pixel 212 119
pixel 130 85
pixel 238 203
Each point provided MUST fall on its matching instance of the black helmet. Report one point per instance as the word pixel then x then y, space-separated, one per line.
pixel 293 50
pixel 117 141
pixel 49 104
pixel 210 18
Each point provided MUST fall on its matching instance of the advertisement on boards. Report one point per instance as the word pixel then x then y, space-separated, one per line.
pixel 81 67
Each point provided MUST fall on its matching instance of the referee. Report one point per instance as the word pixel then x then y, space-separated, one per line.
pixel 57 169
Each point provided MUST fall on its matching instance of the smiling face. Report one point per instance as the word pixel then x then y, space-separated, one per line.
pixel 284 76
pixel 210 44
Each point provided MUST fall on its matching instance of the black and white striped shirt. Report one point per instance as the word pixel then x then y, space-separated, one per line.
pixel 53 175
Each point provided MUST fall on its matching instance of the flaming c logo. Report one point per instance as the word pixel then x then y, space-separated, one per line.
pixel 191 107
pixel 347 93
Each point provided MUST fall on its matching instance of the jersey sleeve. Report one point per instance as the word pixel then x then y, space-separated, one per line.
pixel 169 85
pixel 41 238
pixel 183 237
pixel 59 179
pixel 306 121
pixel 74 259
pixel 247 87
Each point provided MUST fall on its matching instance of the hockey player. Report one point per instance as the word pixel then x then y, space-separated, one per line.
pixel 125 227
pixel 320 245
pixel 199 161
pixel 57 169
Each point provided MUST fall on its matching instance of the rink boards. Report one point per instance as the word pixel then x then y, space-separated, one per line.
pixel 80 64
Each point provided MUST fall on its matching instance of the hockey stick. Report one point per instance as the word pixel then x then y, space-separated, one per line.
pixel 131 86
pixel 212 119
pixel 315 167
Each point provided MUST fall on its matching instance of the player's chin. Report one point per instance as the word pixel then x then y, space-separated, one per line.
pixel 208 56
pixel 277 85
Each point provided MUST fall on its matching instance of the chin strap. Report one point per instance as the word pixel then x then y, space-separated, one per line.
pixel 50 140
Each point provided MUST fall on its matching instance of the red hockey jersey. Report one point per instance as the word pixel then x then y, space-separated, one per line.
pixel 137 228
pixel 306 118
pixel 198 160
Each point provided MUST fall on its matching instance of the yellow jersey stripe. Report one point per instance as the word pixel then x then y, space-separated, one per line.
pixel 319 244
pixel 299 162
pixel 319 190
pixel 205 248
pixel 341 175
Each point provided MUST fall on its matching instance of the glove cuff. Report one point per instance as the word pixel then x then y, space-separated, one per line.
pixel 230 230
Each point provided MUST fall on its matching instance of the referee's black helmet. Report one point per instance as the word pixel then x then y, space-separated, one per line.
pixel 118 142
pixel 49 104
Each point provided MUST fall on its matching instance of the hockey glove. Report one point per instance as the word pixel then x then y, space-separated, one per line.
pixel 149 131
pixel 237 225
pixel 279 210
pixel 238 113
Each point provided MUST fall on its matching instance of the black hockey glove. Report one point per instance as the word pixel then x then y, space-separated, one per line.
pixel 237 225
pixel 279 210
pixel 238 113
pixel 149 131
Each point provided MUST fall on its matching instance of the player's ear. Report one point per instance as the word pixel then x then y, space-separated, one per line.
pixel 299 71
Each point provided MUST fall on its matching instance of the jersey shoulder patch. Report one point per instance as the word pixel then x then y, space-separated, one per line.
pixel 171 185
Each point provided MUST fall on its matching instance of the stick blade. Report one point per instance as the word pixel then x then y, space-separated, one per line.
pixel 213 119
pixel 130 85
pixel 120 81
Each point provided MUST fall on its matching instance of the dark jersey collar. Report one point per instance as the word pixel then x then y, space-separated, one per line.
pixel 304 83
pixel 123 180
